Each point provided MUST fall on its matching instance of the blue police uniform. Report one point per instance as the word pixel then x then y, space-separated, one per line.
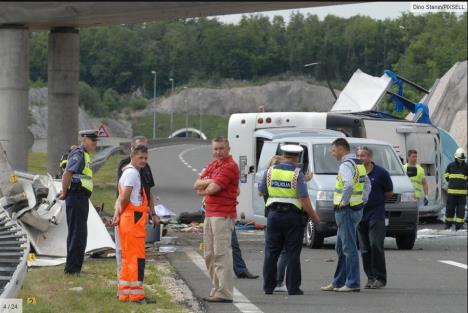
pixel 284 184
pixel 77 205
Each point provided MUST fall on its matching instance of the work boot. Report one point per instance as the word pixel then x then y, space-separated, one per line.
pixel 448 225
pixel 459 226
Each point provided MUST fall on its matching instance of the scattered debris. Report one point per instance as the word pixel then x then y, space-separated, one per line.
pixel 79 289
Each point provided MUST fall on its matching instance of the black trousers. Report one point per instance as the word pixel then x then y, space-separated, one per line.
pixel 284 229
pixel 77 207
pixel 371 243
pixel 455 204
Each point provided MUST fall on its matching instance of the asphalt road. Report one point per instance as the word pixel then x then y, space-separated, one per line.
pixel 417 279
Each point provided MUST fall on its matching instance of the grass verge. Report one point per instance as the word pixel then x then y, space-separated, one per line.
pixel 94 291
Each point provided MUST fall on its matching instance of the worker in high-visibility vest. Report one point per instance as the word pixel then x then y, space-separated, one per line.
pixel 131 216
pixel 352 190
pixel 77 186
pixel 415 172
pixel 456 175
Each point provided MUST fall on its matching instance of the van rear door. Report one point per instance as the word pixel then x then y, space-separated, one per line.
pixel 428 147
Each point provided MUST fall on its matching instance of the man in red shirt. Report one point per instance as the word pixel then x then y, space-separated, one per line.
pixel 219 184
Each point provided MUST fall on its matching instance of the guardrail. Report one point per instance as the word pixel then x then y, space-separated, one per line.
pixel 14 250
pixel 161 142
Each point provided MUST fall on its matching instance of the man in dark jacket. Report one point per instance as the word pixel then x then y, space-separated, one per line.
pixel 456 175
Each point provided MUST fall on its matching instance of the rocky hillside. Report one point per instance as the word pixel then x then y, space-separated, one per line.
pixel 38 123
pixel 275 96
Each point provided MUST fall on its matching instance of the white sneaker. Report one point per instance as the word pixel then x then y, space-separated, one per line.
pixel 281 288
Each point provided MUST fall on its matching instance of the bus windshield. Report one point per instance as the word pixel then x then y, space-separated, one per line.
pixel 326 164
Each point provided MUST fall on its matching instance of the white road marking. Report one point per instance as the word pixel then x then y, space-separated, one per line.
pixel 454 263
pixel 240 301
pixel 181 158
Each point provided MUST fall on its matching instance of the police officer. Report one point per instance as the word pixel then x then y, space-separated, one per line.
pixel 456 175
pixel 418 179
pixel 287 200
pixel 77 186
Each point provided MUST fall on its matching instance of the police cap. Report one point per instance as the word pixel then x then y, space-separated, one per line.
pixel 90 133
pixel 291 150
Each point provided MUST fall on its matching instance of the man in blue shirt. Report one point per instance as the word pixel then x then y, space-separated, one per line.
pixel 371 229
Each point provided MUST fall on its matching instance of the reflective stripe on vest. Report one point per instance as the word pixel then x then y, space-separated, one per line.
pixel 282 186
pixel 86 175
pixel 416 181
pixel 457 191
pixel 359 185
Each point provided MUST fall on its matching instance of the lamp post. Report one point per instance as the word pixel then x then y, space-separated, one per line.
pixel 154 104
pixel 200 112
pixel 328 80
pixel 186 112
pixel 172 108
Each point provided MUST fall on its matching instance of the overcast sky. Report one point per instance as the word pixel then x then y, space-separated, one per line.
pixel 376 10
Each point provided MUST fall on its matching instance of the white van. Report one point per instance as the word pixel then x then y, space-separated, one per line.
pixel 401 209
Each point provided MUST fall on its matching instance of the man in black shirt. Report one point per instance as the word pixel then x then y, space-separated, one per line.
pixel 146 175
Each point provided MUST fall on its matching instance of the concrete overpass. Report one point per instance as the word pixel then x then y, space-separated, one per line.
pixel 63 20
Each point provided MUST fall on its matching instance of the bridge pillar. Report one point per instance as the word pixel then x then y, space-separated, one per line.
pixel 63 93
pixel 14 89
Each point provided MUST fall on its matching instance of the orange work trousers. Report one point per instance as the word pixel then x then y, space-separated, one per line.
pixel 132 234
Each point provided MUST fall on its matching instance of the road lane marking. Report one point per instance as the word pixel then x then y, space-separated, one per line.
pixel 194 169
pixel 240 301
pixel 181 157
pixel 454 263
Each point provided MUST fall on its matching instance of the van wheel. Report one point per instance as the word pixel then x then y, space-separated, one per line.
pixel 406 241
pixel 312 238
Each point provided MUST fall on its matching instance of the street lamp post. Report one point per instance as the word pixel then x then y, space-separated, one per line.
pixel 154 104
pixel 200 112
pixel 172 108
pixel 186 112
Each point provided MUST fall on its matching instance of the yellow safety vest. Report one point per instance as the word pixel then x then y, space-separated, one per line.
pixel 282 186
pixel 417 179
pixel 359 184
pixel 86 175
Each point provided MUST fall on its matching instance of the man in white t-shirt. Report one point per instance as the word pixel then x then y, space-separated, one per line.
pixel 131 217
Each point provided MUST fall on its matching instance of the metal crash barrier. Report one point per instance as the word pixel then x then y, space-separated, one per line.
pixel 14 250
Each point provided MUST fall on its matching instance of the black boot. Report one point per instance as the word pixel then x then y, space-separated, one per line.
pixel 458 226
pixel 448 225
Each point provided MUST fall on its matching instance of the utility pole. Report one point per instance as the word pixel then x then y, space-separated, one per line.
pixel 154 104
pixel 172 108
